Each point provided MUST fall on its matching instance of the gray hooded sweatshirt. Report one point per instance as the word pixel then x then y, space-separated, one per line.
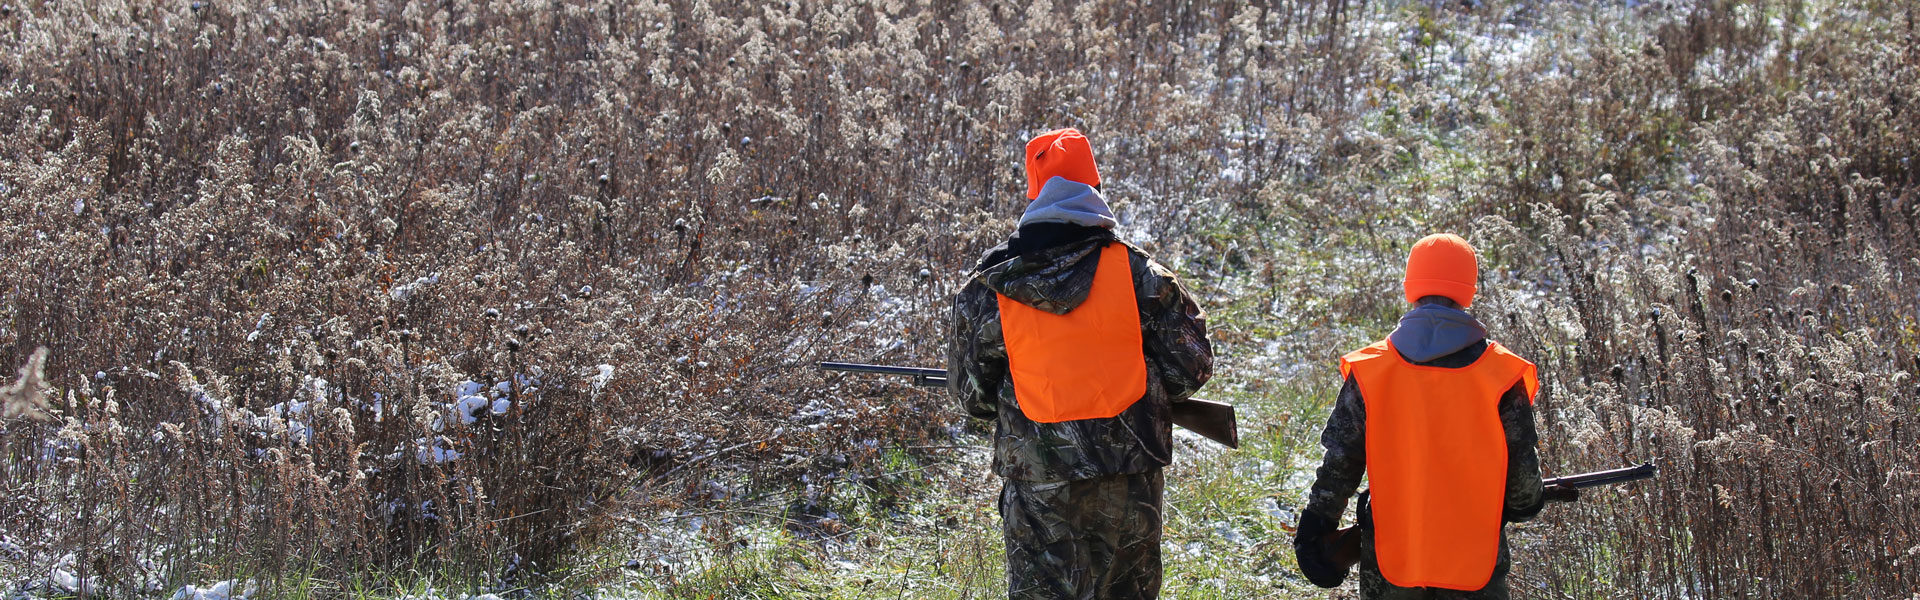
pixel 1063 200
pixel 1431 331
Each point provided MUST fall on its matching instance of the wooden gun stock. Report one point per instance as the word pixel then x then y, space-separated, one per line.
pixel 1212 420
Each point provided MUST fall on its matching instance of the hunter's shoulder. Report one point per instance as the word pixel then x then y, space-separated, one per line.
pixel 1147 269
pixel 1500 350
pixel 1137 254
pixel 1369 352
pixel 975 296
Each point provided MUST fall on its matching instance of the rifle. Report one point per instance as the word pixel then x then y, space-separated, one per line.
pixel 1599 478
pixel 1212 420
pixel 1346 542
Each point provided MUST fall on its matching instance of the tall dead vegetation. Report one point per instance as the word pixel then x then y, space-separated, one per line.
pixel 336 289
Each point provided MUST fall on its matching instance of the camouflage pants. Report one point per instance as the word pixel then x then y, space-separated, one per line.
pixel 1083 540
pixel 1374 586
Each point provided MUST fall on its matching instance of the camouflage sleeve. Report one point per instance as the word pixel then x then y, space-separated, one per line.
pixel 1524 499
pixel 1174 330
pixel 977 359
pixel 1345 439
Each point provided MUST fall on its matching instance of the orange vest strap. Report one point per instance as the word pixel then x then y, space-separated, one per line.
pixel 1437 462
pixel 1528 375
pixel 1086 364
pixel 1376 350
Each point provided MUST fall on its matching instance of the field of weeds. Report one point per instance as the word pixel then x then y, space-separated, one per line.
pixel 336 299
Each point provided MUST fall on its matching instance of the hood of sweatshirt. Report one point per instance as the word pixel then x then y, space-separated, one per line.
pixel 1054 278
pixel 1431 331
pixel 1063 200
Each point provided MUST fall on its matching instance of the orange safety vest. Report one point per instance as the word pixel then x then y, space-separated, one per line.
pixel 1086 364
pixel 1437 462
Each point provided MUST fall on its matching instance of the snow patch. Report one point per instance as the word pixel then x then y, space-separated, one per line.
pixel 224 590
pixel 605 375
pixel 467 405
pixel 435 450
pixel 405 291
pixel 260 326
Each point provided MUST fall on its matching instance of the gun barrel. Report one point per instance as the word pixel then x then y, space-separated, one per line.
pixel 921 377
pixel 1644 471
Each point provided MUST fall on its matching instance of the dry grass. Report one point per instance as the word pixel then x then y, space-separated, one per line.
pixel 1729 291
pixel 266 247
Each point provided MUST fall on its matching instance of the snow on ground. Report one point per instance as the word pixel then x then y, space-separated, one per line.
pixel 242 590
pixel 472 400
pixel 224 590
pixel 406 290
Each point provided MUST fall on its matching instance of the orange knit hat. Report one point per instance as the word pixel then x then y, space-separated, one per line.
pixel 1442 264
pixel 1059 153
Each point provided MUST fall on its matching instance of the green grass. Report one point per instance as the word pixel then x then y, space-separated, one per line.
pixel 1228 532
pixel 932 534
pixel 1230 514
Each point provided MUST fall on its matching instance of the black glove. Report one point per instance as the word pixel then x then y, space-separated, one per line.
pixel 1310 550
pixel 1560 493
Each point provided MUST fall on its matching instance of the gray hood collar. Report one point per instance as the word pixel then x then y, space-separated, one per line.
pixel 1431 331
pixel 1063 200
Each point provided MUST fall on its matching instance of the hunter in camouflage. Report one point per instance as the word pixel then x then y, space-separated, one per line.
pixel 1345 440
pixel 1081 500
pixel 1436 334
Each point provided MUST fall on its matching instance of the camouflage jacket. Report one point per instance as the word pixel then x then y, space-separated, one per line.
pixel 1345 440
pixel 1057 278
